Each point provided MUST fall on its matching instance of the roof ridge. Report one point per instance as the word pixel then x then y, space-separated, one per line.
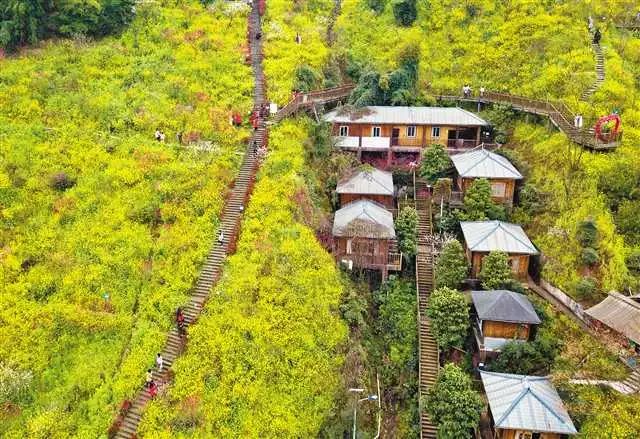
pixel 488 233
pixel 482 159
pixel 514 236
pixel 547 406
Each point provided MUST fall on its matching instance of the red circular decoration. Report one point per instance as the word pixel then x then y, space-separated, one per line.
pixel 609 135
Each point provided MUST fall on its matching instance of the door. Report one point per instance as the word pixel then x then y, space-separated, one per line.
pixel 395 134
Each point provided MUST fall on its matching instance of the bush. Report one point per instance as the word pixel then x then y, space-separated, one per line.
pixel 633 260
pixel 306 79
pixel 587 233
pixel 449 313
pixel 407 231
pixel 60 181
pixel 589 256
pixel 452 403
pixel 451 266
pixel 377 5
pixel 405 12
pixel 628 221
pixel 529 358
pixel 478 205
pixel 495 272
pixel 435 163
pixel 585 288
pixel 354 309
pixel 449 221
pixel 14 384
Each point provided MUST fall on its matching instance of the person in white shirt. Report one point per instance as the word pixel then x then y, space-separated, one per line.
pixel 159 362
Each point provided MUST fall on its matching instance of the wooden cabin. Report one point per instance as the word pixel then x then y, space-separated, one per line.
pixel 396 134
pixel 364 237
pixel 525 407
pixel 371 184
pixel 483 237
pixel 497 169
pixel 621 314
pixel 501 316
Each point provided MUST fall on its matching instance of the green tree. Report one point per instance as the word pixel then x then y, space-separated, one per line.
pixel 407 231
pixel 452 403
pixel 405 12
pixel 478 205
pixel 451 266
pixel 377 5
pixel 628 221
pixel 495 272
pixel 449 313
pixel 435 163
pixel 306 78
pixel 587 233
pixel 535 357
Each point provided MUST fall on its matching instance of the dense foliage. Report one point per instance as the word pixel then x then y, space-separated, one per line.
pixel 478 205
pixel 103 229
pixel 435 163
pixel 27 21
pixel 448 311
pixel 452 403
pixel 407 231
pixel 495 272
pixel 263 360
pixel 451 267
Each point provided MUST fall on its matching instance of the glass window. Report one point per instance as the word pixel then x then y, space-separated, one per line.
pixel 435 132
pixel 411 131
pixel 344 130
pixel 375 132
pixel 498 189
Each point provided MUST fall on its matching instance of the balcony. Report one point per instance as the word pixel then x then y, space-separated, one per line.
pixel 355 143
pixel 390 261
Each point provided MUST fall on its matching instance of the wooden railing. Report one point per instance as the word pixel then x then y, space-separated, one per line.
pixel 303 100
pixel 372 261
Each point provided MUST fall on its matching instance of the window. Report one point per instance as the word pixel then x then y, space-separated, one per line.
pixel 524 435
pixel 498 189
pixel 375 132
pixel 411 131
pixel 514 263
pixel 435 132
pixel 363 247
pixel 349 241
pixel 344 130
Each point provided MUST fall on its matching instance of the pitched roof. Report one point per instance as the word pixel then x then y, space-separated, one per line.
pixel 521 402
pixel 487 236
pixel 370 181
pixel 482 163
pixel 620 313
pixel 406 116
pixel 504 306
pixel 364 219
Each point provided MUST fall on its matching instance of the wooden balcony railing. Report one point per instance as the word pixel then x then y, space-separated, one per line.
pixel 391 261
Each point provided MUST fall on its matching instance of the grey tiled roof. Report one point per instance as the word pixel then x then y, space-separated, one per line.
pixel 407 116
pixel 620 313
pixel 482 163
pixel 487 236
pixel 521 402
pixel 370 182
pixel 364 219
pixel 504 306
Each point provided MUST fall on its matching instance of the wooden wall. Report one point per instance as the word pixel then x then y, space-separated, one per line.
pixel 511 434
pixel 519 264
pixel 423 132
pixel 380 254
pixel 510 186
pixel 385 200
pixel 505 330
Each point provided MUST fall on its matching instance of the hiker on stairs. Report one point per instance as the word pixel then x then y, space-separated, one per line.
pixel 159 362
pixel 597 36
pixel 148 379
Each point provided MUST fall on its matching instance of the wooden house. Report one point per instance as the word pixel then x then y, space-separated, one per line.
pixel 483 237
pixel 364 237
pixel 372 184
pixel 392 135
pixel 621 314
pixel 480 163
pixel 525 407
pixel 501 316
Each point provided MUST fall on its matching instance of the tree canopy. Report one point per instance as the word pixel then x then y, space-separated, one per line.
pixel 448 311
pixel 451 267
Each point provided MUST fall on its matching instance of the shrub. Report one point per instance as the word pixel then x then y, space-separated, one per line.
pixel 407 231
pixel 478 205
pixel 585 288
pixel 306 78
pixel 377 5
pixel 14 384
pixel 449 313
pixel 495 272
pixel 628 220
pixel 449 221
pixel 60 181
pixel 589 256
pixel 633 260
pixel 452 403
pixel 451 266
pixel 354 309
pixel 529 358
pixel 405 12
pixel 587 233
pixel 435 163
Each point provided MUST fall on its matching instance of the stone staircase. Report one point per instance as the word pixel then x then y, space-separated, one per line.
pixel 428 353
pixel 212 268
pixel 600 73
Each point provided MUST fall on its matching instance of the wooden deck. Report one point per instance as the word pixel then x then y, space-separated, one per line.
pixel 212 268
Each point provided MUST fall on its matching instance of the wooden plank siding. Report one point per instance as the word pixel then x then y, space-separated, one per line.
pixel 511 434
pixel 505 330
pixel 519 263
pixel 422 138
pixel 376 256
pixel 510 186
pixel 385 200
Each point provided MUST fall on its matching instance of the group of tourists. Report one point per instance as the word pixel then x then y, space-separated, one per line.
pixel 159 135
pixel 467 91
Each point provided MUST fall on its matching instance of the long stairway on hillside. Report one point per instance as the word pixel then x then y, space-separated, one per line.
pixel 600 74
pixel 230 225
pixel 428 364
